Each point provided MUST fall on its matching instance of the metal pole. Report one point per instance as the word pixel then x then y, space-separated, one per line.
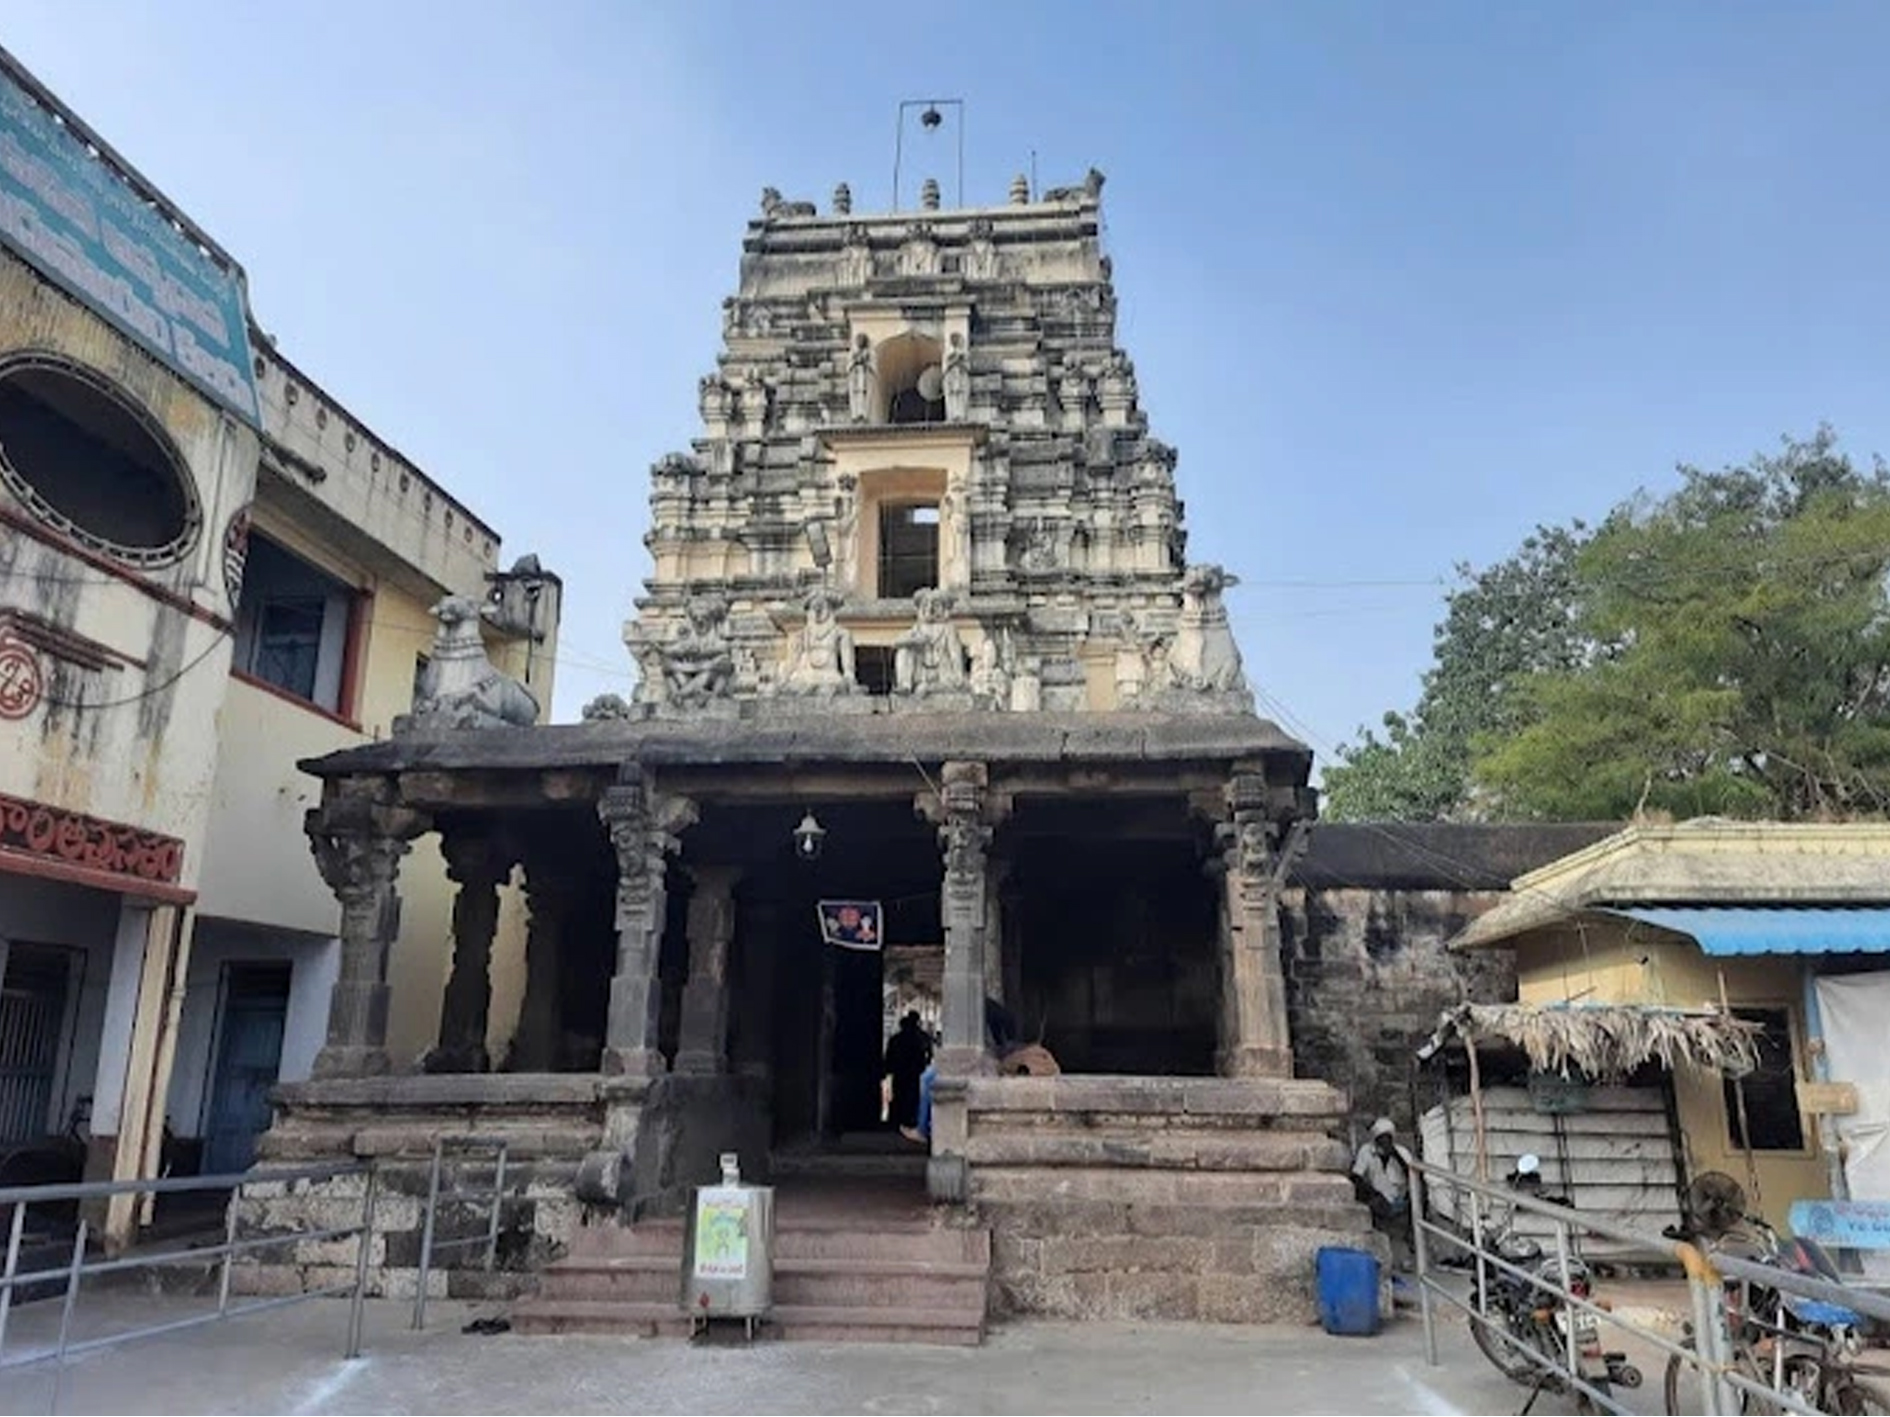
pixel 426 1241
pixel 65 1314
pixel 13 1268
pixel 363 1246
pixel 229 1251
pixel 498 1199
pixel 1420 1244
pixel 899 143
pixel 1568 1303
pixel 1476 1240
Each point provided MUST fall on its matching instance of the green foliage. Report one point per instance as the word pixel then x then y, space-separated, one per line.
pixel 1742 661
pixel 1724 649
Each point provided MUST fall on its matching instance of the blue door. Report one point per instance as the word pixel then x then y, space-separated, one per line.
pixel 249 1060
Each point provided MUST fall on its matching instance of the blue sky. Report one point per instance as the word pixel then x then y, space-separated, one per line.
pixel 1400 280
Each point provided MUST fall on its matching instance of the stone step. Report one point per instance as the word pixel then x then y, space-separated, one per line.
pixel 1161 1186
pixel 871 1240
pixel 897 1284
pixel 1187 1149
pixel 634 1278
pixel 850 1165
pixel 611 1317
pixel 820 1323
pixel 804 1323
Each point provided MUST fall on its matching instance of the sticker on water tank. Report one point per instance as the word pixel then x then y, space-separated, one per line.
pixel 721 1233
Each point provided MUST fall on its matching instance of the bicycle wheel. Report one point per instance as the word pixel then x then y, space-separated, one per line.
pixel 1504 1349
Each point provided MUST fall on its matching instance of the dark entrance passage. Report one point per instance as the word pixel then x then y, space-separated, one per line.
pixel 249 1059
pixel 825 1010
pixel 1111 931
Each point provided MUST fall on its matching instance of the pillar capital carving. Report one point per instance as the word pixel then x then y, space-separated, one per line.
pixel 477 856
pixel 358 848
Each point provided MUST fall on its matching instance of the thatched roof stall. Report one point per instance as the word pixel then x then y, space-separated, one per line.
pixel 1605 1042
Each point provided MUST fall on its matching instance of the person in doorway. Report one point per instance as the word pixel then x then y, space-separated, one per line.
pixel 1000 1035
pixel 1383 1182
pixel 908 1052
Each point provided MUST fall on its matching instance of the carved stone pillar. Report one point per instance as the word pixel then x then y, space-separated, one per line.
pixel 1255 1040
pixel 550 886
pixel 703 1043
pixel 995 896
pixel 478 863
pixel 965 813
pixel 643 828
pixel 358 842
pixel 754 1004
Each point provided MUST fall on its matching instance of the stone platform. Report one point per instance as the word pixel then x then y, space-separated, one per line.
pixel 1154 1197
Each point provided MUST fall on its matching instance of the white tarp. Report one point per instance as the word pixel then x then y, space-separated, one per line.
pixel 1852 1009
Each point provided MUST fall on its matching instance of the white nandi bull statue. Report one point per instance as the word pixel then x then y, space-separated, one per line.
pixel 1204 657
pixel 461 688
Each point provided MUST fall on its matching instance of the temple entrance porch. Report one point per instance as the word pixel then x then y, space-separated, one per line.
pixel 1114 889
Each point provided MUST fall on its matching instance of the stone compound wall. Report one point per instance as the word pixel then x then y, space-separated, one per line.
pixel 1155 1198
pixel 1367 974
pixel 550 1123
pixel 1364 925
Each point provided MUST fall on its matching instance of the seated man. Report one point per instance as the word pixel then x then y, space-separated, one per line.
pixel 1000 1036
pixel 1383 1182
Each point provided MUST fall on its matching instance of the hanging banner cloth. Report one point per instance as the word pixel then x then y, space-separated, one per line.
pixel 852 924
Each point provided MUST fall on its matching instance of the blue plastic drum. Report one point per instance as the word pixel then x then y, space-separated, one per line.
pixel 1347 1291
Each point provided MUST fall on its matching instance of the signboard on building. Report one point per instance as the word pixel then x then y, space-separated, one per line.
pixel 68 214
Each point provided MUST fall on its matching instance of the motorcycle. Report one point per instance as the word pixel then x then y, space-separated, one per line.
pixel 1791 1344
pixel 1524 1322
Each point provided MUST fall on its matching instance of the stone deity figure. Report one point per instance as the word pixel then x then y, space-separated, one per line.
pixel 991 674
pixel 955 523
pixel 862 381
pixel 697 662
pixel 957 382
pixel 820 653
pixel 930 657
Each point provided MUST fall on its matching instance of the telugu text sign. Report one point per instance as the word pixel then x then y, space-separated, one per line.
pixel 68 214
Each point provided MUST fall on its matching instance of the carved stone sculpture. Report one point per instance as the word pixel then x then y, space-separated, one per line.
pixel 957 381
pixel 1206 659
pixel 697 663
pixel 606 707
pixel 461 688
pixel 981 257
pixel 772 206
pixel 991 672
pixel 930 657
pixel 820 654
pixel 856 258
pixel 862 381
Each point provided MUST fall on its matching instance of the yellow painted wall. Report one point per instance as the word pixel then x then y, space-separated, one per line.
pixel 262 870
pixel 1614 962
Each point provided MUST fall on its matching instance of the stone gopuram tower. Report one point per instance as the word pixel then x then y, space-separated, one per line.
pixel 925 479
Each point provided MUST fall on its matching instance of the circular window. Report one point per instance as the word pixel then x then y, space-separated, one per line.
pixel 92 463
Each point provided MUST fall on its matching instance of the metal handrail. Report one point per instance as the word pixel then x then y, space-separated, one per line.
pixel 1711 1356
pixel 429 1246
pixel 21 1198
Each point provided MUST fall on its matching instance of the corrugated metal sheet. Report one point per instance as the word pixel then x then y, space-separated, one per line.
pixel 1773 930
pixel 1614 1159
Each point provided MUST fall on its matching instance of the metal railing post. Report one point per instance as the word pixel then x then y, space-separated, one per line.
pixel 426 1239
pixel 65 1313
pixel 363 1245
pixel 498 1199
pixel 1702 1353
pixel 1483 1269
pixel 229 1250
pixel 13 1267
pixel 1567 1297
pixel 1421 1249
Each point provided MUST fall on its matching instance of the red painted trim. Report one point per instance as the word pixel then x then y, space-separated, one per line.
pixel 354 650
pixel 28 526
pixel 296 699
pixel 20 864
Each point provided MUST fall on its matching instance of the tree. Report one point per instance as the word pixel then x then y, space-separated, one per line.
pixel 1500 625
pixel 1739 662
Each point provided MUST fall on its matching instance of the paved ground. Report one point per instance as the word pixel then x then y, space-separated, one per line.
pixel 288 1361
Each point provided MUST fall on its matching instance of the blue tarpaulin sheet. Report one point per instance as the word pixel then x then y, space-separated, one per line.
pixel 1773 930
